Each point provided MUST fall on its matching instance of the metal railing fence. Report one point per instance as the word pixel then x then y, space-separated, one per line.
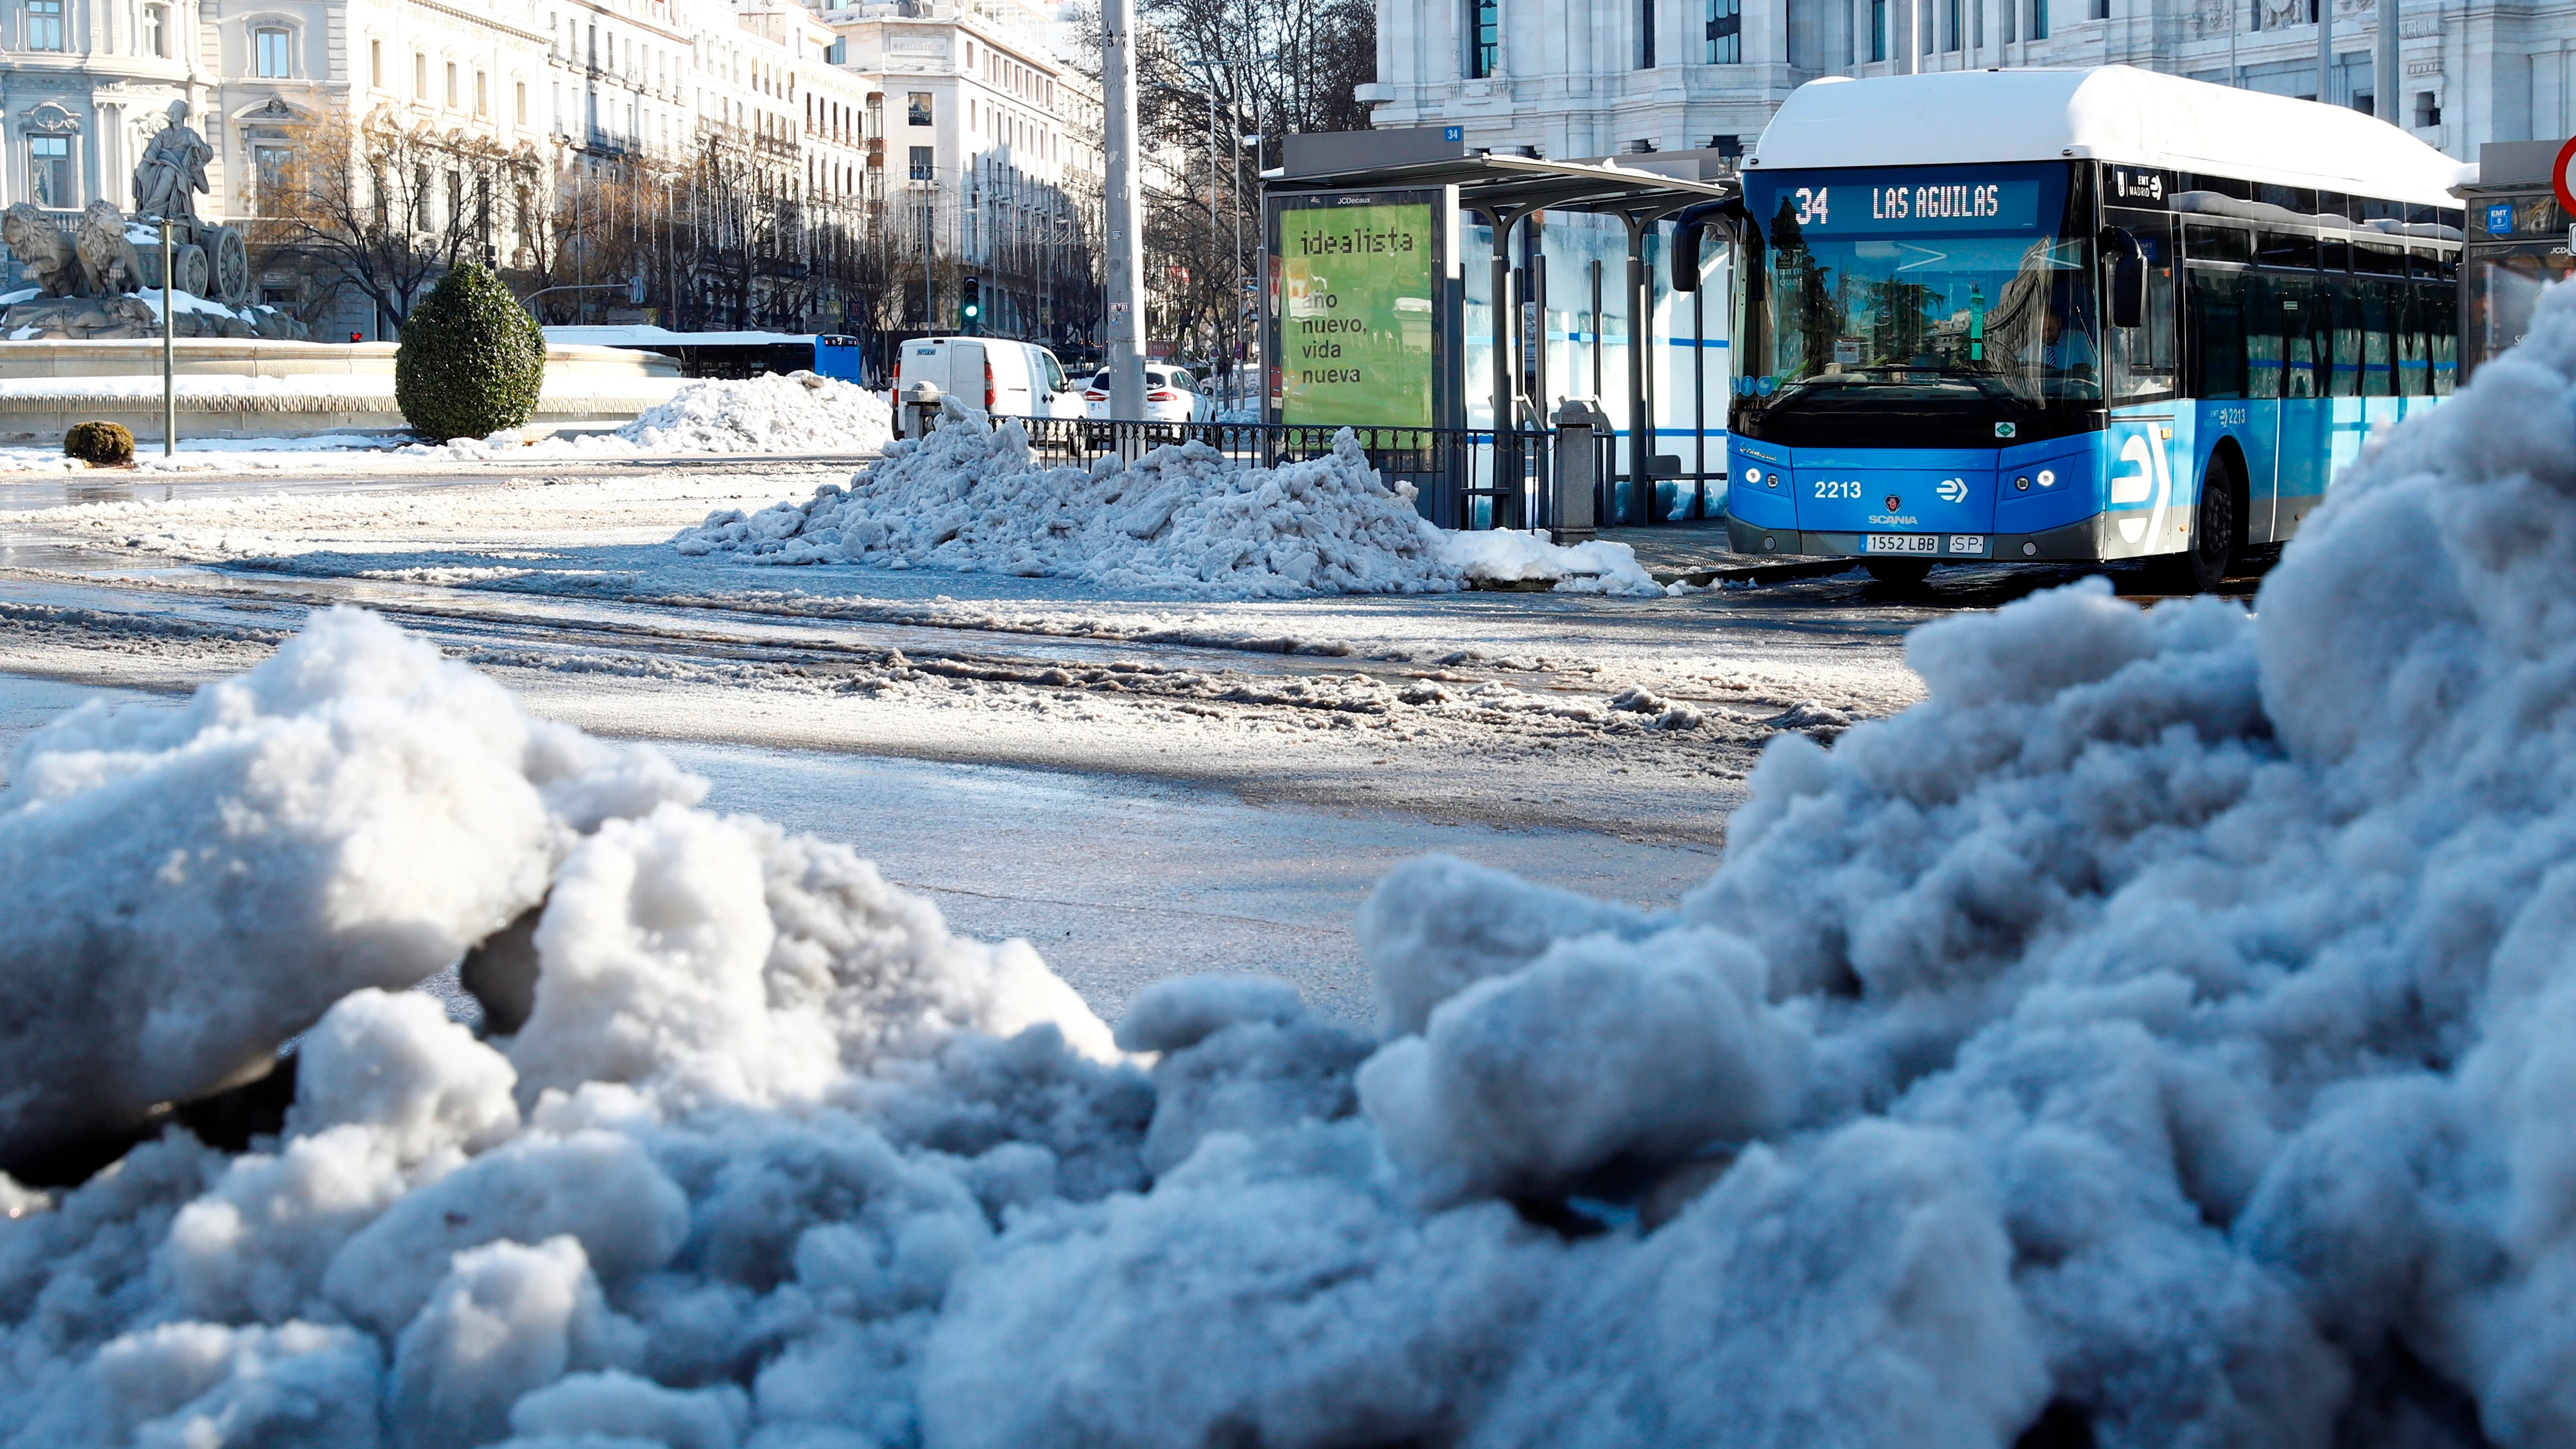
pixel 1463 477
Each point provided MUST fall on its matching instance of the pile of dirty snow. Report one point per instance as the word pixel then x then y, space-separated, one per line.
pixel 971 498
pixel 797 413
pixel 2163 1035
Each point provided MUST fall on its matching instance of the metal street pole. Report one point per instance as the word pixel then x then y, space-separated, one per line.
pixel 2325 52
pixel 2391 82
pixel 1125 344
pixel 2233 74
pixel 1234 165
pixel 169 363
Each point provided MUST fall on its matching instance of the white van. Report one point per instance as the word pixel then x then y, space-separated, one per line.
pixel 1005 378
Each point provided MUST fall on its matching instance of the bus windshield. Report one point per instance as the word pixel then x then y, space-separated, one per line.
pixel 1960 293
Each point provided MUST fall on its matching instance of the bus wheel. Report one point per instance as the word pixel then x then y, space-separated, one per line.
pixel 2213 528
pixel 1906 571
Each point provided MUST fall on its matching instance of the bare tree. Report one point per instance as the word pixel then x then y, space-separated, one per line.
pixel 388 208
pixel 1210 72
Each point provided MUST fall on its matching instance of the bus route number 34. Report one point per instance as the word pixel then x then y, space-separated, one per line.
pixel 1811 205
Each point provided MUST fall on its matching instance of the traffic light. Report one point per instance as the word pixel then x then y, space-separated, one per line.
pixel 970 304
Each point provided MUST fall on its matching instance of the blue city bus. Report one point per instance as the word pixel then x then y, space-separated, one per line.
pixel 2052 316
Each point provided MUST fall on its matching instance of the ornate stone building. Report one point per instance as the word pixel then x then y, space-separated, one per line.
pixel 1573 78
pixel 800 90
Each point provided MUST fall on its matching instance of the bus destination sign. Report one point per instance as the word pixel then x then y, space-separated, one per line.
pixel 1948 199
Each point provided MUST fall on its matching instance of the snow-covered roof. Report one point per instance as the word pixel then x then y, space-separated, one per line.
pixel 643 335
pixel 2109 113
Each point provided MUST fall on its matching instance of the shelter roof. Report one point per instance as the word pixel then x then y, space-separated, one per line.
pixel 1652 182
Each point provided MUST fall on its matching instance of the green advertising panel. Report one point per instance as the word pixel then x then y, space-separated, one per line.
pixel 1355 338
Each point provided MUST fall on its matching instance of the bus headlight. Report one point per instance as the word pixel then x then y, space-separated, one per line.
pixel 1752 475
pixel 2047 478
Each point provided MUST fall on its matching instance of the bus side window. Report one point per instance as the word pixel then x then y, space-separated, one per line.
pixel 2378 366
pixel 2343 306
pixel 2262 316
pixel 2218 241
pixel 2217 300
pixel 2414 375
pixel 2442 326
pixel 2299 338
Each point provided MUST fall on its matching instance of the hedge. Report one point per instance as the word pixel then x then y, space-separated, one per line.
pixel 472 361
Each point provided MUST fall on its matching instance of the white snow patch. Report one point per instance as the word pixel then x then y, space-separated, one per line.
pixel 798 413
pixel 1186 518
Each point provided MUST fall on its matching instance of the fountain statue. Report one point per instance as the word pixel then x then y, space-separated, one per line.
pixel 86 280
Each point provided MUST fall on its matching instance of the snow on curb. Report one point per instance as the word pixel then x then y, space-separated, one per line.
pixel 1186 518
pixel 798 412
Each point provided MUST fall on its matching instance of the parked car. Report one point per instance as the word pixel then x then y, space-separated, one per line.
pixel 1003 377
pixel 1169 395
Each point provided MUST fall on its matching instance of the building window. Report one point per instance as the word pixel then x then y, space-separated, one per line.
pixel 2039 19
pixel 1645 34
pixel 376 64
pixel 156 32
pixel 419 76
pixel 1726 31
pixel 2101 9
pixel 482 94
pixel 1955 20
pixel 1878 29
pixel 1484 38
pixel 921 165
pixel 49 172
pixel 521 88
pixel 269 161
pixel 452 95
pixel 916 108
pixel 2428 110
pixel 271 53
pixel 44 24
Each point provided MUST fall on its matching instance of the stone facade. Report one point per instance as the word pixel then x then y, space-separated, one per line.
pixel 86 84
pixel 1574 79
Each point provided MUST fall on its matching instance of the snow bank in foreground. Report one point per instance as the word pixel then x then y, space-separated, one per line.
pixel 973 499
pixel 2165 1033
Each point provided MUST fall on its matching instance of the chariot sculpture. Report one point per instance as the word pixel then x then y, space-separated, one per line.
pixel 86 277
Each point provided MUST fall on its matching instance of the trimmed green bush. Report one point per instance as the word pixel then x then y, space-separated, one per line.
pixel 101 445
pixel 472 360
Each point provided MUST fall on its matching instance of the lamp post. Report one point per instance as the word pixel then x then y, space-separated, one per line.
pixel 169 349
pixel 1126 251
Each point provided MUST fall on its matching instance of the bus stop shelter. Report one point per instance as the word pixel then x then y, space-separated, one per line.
pixel 1416 283
pixel 2518 242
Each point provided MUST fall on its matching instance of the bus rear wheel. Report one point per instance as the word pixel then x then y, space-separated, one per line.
pixel 2213 528
pixel 1904 571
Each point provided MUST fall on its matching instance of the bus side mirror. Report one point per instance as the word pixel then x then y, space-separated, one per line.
pixel 2128 278
pixel 1687 241
pixel 1690 238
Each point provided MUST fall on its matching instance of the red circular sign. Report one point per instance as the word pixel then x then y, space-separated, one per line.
pixel 2558 176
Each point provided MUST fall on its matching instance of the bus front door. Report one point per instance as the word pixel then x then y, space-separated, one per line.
pixel 2305 439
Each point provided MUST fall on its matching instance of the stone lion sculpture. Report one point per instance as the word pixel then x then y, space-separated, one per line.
pixel 109 259
pixel 52 261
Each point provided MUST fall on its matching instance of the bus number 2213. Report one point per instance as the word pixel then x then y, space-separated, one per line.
pixel 1829 489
